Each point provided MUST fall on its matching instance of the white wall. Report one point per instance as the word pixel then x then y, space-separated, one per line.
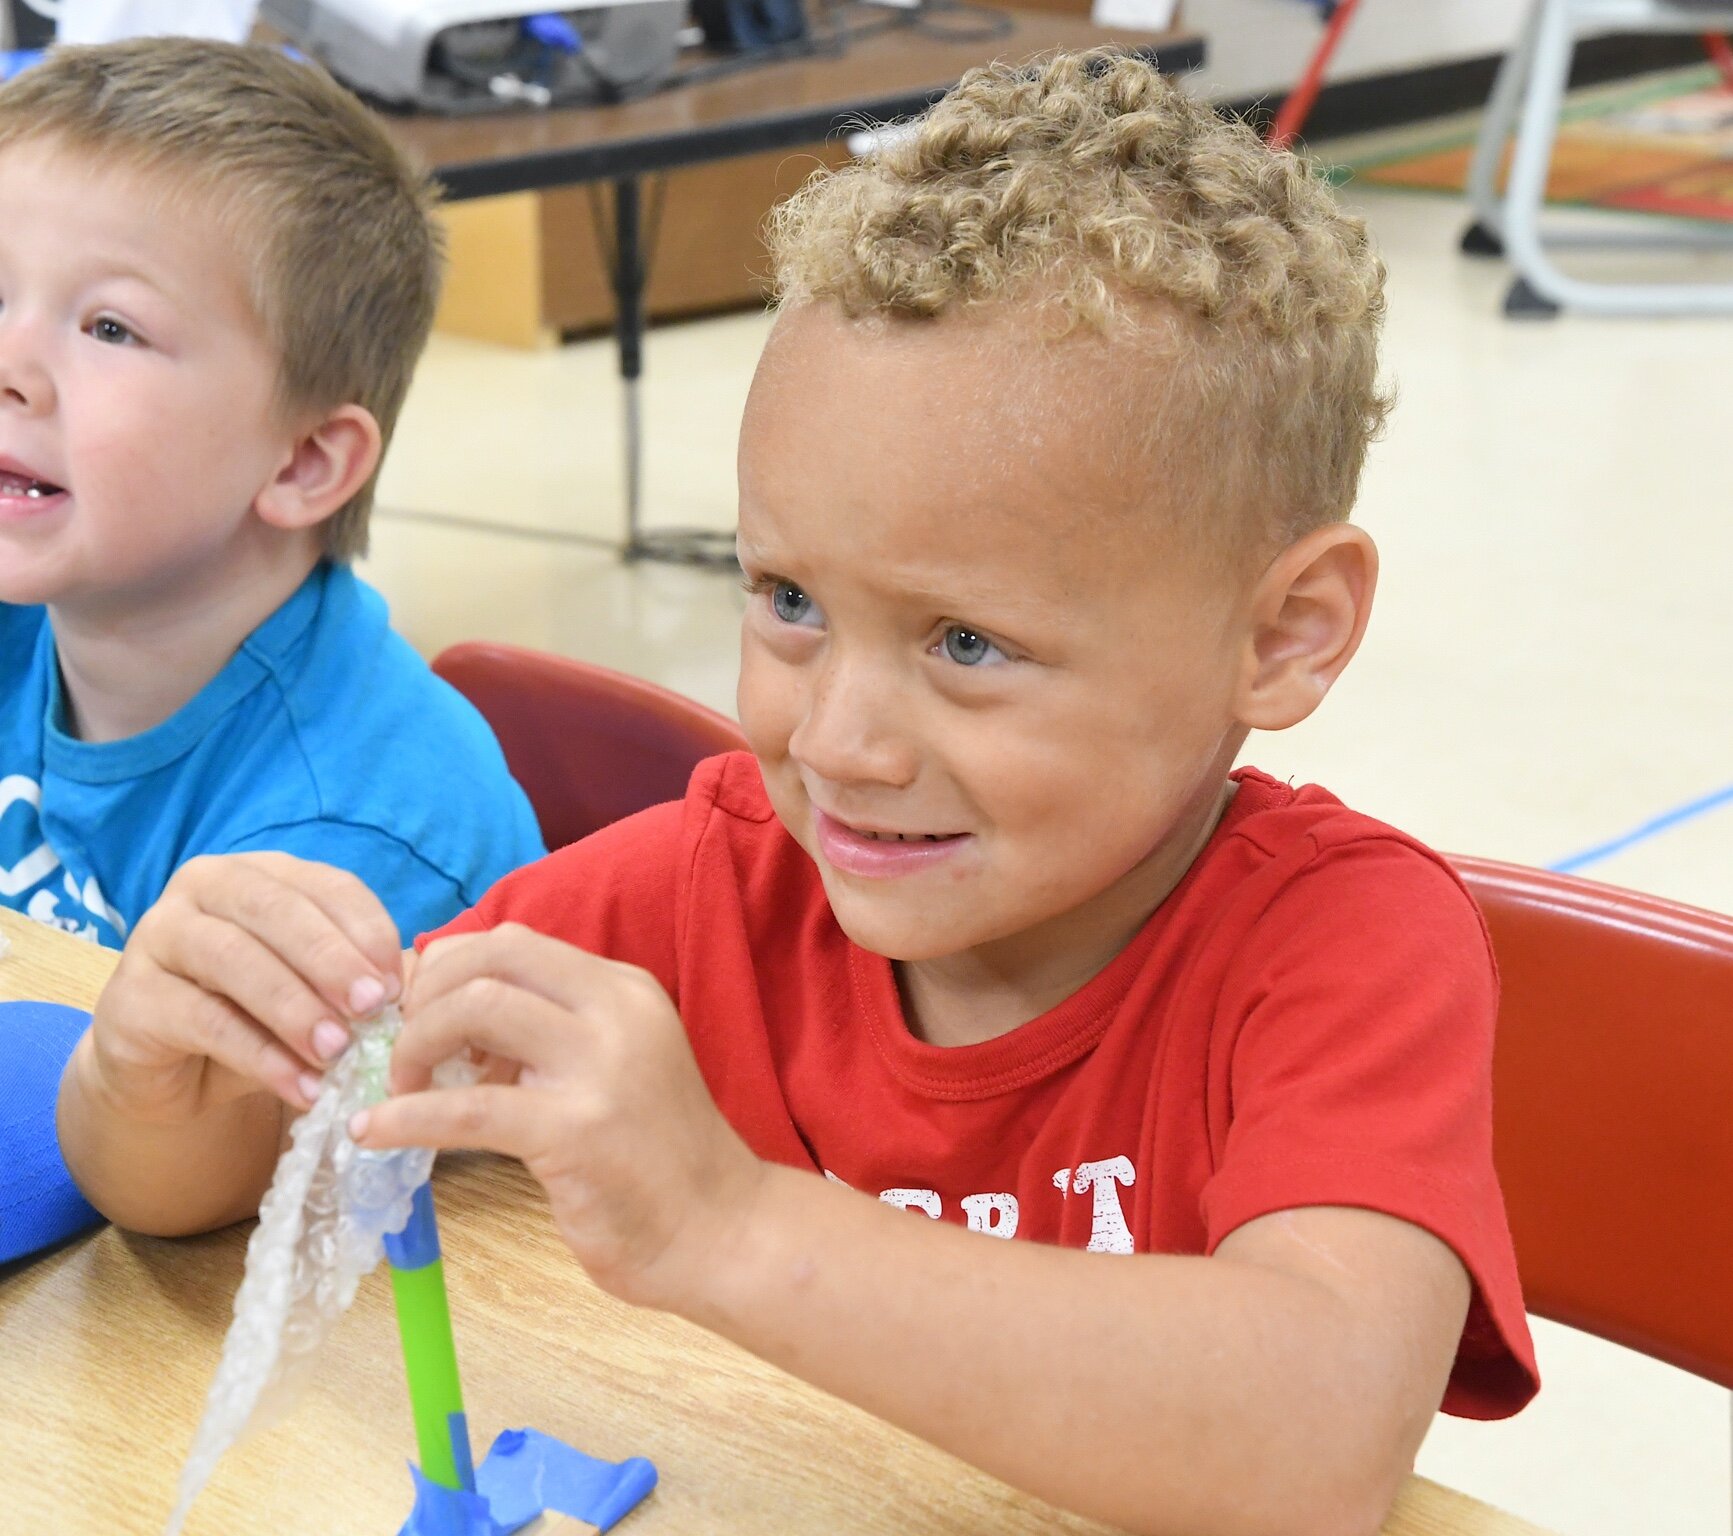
pixel 1258 46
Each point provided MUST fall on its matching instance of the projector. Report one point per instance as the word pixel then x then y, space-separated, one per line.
pixel 461 56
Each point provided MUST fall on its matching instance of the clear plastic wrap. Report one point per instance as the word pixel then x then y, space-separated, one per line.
pixel 321 1228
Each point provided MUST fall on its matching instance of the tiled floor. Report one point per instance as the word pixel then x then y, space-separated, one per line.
pixel 1548 667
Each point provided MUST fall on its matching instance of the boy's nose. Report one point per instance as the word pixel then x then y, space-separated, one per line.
pixel 855 730
pixel 24 383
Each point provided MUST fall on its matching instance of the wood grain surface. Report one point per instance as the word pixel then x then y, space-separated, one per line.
pixel 107 1348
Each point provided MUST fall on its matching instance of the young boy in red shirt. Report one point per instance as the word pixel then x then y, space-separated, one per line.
pixel 1043 483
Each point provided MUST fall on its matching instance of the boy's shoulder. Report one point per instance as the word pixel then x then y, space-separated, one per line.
pixel 374 739
pixel 1294 828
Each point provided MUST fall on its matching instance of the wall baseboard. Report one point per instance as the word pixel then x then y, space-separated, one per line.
pixel 1434 90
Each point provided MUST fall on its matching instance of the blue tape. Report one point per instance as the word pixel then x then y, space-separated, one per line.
pixel 457 1431
pixel 441 1511
pixel 39 1203
pixel 1653 827
pixel 527 1473
pixel 417 1245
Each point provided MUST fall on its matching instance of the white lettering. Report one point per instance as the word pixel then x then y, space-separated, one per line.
pixel 913 1200
pixel 1108 1231
pixel 995 1215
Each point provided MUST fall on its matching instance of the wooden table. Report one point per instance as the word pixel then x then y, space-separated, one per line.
pixel 896 71
pixel 108 1346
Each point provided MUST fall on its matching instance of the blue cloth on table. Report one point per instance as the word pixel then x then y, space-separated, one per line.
pixel 526 1474
pixel 39 1203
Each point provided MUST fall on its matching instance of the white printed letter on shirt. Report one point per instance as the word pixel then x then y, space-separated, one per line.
pixel 1108 1232
pixel 913 1200
pixel 993 1214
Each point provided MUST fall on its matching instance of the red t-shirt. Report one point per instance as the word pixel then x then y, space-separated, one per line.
pixel 1306 1020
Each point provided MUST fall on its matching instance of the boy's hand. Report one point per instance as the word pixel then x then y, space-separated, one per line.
pixel 590 1081
pixel 239 977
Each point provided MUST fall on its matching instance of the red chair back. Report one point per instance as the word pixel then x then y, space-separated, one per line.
pixel 1613 1109
pixel 589 745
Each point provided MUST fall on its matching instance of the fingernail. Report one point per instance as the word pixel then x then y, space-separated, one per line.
pixel 366 996
pixel 310 1086
pixel 358 1124
pixel 329 1039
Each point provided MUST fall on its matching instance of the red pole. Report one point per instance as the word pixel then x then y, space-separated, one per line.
pixel 1297 106
pixel 1721 55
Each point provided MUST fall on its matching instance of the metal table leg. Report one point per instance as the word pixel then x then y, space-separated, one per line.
pixel 628 273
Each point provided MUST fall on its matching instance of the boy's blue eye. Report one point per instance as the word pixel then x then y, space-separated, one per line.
pixel 967 648
pixel 791 605
pixel 111 331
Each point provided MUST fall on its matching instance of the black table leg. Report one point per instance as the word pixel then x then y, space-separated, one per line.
pixel 685 546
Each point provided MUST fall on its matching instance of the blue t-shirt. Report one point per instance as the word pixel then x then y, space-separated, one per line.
pixel 324 736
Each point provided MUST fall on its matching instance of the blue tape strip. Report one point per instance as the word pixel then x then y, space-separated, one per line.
pixel 524 1476
pixel 441 1511
pixel 39 1204
pixel 417 1245
pixel 527 1473
pixel 457 1430
pixel 1656 825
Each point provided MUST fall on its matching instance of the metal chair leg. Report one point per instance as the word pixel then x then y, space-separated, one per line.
pixel 1525 194
pixel 1495 130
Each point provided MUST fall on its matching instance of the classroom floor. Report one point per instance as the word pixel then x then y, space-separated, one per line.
pixel 1547 669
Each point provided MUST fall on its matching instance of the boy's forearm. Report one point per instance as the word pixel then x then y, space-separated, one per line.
pixel 166 1180
pixel 1163 1394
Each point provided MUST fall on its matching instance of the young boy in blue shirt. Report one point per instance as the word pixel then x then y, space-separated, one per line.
pixel 216 275
pixel 983 1046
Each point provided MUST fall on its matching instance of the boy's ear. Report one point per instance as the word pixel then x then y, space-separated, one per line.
pixel 328 462
pixel 1308 613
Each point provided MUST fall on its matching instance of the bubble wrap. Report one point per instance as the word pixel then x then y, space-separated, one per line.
pixel 321 1228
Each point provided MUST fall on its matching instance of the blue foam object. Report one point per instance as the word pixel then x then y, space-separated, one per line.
pixel 14 61
pixel 39 1203
pixel 524 1475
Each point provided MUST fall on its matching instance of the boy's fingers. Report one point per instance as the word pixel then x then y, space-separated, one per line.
pixel 213 1028
pixel 352 906
pixel 484 1118
pixel 485 1015
pixel 286 917
pixel 547 967
pixel 233 1040
pixel 223 958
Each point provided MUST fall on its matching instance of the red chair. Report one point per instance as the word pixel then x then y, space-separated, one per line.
pixel 1613 1109
pixel 589 745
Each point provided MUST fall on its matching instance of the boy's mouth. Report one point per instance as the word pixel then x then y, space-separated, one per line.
pixel 17 486
pixel 879 853
pixel 905 837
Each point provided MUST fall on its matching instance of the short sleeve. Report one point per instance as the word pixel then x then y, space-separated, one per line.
pixel 1362 1009
pixel 418 895
pixel 616 893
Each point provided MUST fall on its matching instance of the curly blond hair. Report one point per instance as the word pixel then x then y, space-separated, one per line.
pixel 335 229
pixel 1106 196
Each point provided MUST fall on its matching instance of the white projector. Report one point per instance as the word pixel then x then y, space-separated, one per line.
pixel 469 55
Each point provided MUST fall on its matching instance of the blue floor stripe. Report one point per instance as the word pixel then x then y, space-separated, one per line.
pixel 1641 834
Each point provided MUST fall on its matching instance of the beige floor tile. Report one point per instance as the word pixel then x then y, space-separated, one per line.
pixel 1548 666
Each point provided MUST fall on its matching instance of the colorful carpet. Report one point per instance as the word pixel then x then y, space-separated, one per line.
pixel 1663 145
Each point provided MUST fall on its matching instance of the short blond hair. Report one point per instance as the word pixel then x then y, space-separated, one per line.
pixel 344 257
pixel 1086 183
